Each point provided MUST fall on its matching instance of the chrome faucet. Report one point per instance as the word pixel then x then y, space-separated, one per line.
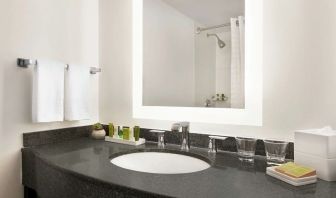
pixel 185 146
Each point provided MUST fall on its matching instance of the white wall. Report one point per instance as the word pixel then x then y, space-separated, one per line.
pixel 63 30
pixel 299 68
pixel 205 68
pixel 168 60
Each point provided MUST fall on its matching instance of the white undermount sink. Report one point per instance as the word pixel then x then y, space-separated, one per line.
pixel 160 163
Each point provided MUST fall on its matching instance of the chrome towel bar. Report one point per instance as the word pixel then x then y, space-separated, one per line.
pixel 25 63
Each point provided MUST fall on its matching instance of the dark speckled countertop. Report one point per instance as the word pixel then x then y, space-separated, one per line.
pixel 228 176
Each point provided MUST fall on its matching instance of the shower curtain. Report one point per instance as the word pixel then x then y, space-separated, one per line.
pixel 237 62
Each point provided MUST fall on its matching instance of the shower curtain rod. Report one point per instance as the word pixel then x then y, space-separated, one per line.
pixel 199 29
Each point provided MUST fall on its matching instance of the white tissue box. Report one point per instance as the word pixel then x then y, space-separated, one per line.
pixel 316 148
pixel 318 142
pixel 325 168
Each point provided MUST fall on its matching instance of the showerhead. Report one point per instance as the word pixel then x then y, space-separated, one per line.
pixel 198 30
pixel 220 43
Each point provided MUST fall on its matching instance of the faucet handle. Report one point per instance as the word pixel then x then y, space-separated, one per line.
pixel 177 126
pixel 161 141
pixel 212 143
pixel 185 124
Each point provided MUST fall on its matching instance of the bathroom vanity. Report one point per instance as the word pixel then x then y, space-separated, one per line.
pixel 81 168
pixel 197 61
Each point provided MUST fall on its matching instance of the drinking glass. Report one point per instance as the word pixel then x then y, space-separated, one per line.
pixel 246 148
pixel 275 151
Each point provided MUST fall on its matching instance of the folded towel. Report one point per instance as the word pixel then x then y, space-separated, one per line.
pixel 77 93
pixel 48 91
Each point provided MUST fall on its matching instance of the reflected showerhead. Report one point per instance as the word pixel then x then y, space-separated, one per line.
pixel 198 30
pixel 220 43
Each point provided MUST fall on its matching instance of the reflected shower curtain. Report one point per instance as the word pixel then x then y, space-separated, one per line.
pixel 237 62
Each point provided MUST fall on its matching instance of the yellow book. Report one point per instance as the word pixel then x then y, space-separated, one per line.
pixel 294 170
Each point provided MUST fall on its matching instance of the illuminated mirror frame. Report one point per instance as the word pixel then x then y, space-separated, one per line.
pixel 251 115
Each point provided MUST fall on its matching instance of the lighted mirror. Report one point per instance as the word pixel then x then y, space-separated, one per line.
pixel 198 61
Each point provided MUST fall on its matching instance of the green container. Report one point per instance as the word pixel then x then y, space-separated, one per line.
pixel 126 133
pixel 111 129
pixel 120 132
pixel 136 133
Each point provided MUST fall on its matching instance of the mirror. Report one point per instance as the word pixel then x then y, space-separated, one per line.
pixel 174 61
pixel 194 53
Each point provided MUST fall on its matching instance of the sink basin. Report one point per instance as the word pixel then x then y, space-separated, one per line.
pixel 160 163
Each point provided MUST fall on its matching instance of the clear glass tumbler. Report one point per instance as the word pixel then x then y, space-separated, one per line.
pixel 246 148
pixel 275 151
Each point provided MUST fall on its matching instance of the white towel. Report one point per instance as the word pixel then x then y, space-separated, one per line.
pixel 48 91
pixel 77 93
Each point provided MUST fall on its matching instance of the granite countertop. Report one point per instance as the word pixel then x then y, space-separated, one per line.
pixel 227 177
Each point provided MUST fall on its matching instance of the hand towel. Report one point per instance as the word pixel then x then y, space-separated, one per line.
pixel 48 91
pixel 77 85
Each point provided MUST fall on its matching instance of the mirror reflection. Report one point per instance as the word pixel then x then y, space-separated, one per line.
pixel 194 53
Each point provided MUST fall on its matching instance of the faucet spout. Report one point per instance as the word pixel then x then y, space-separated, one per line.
pixel 185 142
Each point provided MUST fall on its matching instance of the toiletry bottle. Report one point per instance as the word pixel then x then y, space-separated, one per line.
pixel 126 132
pixel 136 133
pixel 131 134
pixel 116 132
pixel 120 131
pixel 111 129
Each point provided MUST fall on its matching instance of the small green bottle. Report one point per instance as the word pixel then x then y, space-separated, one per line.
pixel 111 129
pixel 136 133
pixel 126 132
pixel 120 131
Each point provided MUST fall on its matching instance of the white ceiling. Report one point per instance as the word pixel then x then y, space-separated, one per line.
pixel 209 12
